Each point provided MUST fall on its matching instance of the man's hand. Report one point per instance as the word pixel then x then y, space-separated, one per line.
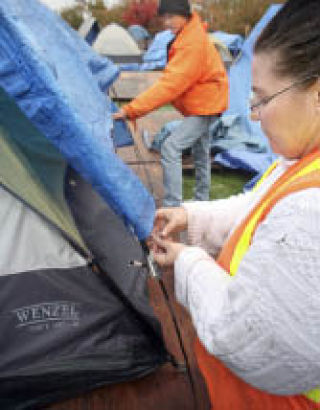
pixel 120 115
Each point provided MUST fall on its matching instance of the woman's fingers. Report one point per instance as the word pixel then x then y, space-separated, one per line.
pixel 160 251
pixel 165 252
pixel 160 258
pixel 159 223
pixel 169 228
pixel 171 220
pixel 161 243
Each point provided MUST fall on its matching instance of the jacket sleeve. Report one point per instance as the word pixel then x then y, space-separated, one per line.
pixel 264 323
pixel 209 223
pixel 182 71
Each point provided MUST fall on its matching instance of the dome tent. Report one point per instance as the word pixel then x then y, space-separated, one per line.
pixel 116 43
pixel 75 312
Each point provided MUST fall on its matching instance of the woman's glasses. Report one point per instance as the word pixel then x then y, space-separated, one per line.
pixel 264 101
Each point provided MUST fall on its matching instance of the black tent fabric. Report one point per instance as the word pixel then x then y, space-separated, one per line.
pixel 69 331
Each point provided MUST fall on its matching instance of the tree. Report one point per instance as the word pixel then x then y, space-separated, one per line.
pixel 236 16
pixel 73 16
pixel 142 12
pixel 105 16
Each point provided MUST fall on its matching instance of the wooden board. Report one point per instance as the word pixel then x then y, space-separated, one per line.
pixel 131 83
pixel 146 164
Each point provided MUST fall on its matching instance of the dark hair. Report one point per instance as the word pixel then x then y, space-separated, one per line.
pixel 294 34
pixel 175 7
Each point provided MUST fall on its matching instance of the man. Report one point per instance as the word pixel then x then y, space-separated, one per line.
pixel 195 82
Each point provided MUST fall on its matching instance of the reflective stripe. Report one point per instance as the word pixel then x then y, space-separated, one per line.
pixel 315 165
pixel 244 242
pixel 313 395
pixel 265 175
pixel 245 239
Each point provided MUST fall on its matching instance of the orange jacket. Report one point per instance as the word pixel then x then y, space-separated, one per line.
pixel 194 80
pixel 226 390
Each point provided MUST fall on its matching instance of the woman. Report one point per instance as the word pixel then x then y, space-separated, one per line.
pixel 256 308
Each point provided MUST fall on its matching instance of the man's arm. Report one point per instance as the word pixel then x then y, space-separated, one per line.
pixel 182 71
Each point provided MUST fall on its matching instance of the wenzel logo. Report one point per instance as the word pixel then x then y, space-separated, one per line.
pixel 49 315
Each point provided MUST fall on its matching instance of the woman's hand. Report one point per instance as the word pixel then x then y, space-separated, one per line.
pixel 169 221
pixel 165 252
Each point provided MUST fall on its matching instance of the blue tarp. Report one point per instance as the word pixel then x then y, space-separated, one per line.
pixel 237 134
pixel 120 133
pixel 155 58
pixel 57 81
pixel 92 34
pixel 138 32
pixel 89 30
pixel 234 42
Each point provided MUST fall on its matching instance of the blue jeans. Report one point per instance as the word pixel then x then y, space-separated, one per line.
pixel 191 133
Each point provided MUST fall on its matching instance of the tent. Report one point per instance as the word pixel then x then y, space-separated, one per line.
pixel 74 307
pixel 116 43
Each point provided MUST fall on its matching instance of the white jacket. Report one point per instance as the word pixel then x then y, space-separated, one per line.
pixel 264 323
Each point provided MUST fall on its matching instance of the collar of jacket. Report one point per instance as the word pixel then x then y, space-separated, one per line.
pixel 190 26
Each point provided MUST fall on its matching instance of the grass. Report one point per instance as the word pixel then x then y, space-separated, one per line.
pixel 224 183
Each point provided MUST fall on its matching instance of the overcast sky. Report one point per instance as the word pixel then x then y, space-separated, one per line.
pixel 60 4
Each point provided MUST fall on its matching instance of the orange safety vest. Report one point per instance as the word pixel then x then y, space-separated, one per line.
pixel 226 390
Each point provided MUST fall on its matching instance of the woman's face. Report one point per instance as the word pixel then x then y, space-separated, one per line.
pixel 290 120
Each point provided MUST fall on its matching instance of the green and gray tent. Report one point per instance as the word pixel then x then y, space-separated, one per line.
pixel 74 310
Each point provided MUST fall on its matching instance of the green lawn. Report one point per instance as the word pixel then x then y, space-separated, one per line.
pixel 223 183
